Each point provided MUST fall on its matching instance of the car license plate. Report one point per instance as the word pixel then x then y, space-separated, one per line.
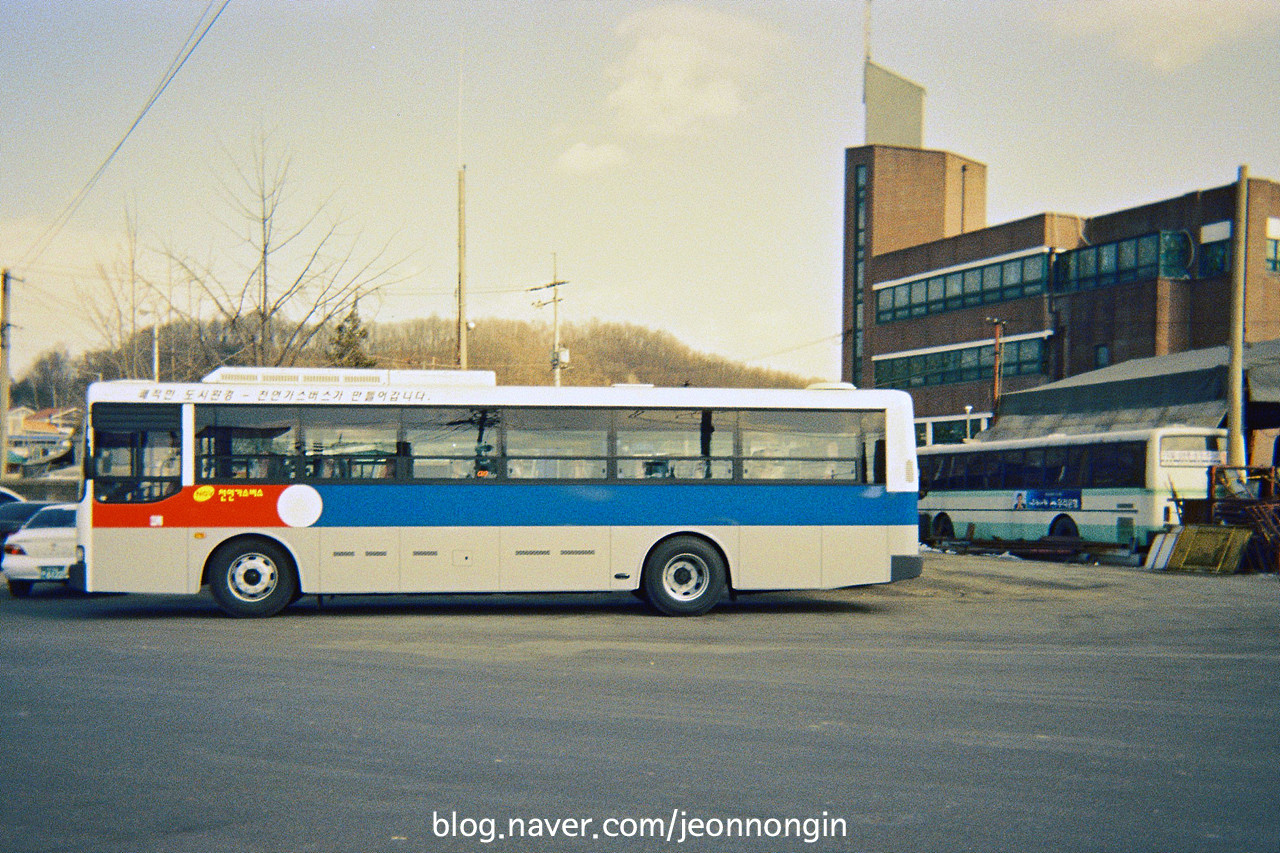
pixel 53 573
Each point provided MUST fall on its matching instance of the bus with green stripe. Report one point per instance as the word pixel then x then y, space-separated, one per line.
pixel 1116 487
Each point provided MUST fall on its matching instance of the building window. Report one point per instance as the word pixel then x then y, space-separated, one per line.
pixel 1273 255
pixel 968 364
pixel 1164 255
pixel 980 285
pixel 1215 258
pixel 859 266
pixel 1101 355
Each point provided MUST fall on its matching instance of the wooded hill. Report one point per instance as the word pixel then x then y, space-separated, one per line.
pixel 600 354
pixel 518 352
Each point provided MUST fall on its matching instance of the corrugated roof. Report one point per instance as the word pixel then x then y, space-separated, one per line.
pixel 1255 354
pixel 1186 388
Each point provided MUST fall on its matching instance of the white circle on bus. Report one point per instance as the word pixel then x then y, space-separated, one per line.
pixel 299 506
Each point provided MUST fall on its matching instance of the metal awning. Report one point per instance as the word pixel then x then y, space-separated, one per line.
pixel 1188 388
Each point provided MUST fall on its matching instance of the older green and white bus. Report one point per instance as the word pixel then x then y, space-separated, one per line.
pixel 1105 487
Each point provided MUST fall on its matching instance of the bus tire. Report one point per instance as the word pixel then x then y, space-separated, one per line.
pixel 252 577
pixel 684 576
pixel 942 527
pixel 1065 527
pixel 19 588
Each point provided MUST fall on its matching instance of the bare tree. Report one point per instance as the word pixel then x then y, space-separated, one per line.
pixel 297 281
pixel 111 306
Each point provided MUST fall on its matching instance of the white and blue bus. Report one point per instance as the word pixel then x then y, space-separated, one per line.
pixel 265 485
pixel 1115 487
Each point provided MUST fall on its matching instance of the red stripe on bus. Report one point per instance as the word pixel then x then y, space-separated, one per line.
pixel 198 506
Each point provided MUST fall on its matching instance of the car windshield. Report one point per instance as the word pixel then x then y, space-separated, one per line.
pixel 19 510
pixel 52 517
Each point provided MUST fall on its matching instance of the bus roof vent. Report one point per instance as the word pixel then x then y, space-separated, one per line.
pixel 832 386
pixel 349 376
pixel 451 378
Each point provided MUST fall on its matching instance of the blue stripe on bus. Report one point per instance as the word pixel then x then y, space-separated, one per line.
pixel 612 504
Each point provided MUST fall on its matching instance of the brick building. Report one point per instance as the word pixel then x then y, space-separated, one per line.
pixel 927 283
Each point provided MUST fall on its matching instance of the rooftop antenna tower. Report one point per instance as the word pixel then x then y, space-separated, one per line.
pixel 894 105
pixel 866 37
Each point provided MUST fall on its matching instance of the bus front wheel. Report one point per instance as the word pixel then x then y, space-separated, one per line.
pixel 252 578
pixel 684 576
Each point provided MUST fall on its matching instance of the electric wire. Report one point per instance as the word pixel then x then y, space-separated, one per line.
pixel 194 38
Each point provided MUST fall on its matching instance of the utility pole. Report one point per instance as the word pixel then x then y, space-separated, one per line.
pixel 996 366
pixel 559 357
pixel 4 372
pixel 462 268
pixel 1236 455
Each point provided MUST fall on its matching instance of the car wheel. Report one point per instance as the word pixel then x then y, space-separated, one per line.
pixel 252 578
pixel 684 576
pixel 19 588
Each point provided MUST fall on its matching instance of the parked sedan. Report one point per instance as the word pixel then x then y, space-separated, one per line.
pixel 14 514
pixel 41 550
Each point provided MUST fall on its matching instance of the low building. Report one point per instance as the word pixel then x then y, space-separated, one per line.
pixel 929 286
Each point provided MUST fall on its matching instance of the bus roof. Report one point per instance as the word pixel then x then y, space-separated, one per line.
pixel 359 388
pixel 313 376
pixel 1058 439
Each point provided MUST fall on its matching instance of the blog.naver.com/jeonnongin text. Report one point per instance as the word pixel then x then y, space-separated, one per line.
pixel 678 827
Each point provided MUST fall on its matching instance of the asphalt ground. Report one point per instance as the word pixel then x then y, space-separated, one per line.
pixel 989 705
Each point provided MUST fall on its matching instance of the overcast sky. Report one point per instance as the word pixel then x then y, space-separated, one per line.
pixel 683 161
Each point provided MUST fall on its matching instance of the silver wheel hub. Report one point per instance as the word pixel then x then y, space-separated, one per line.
pixel 252 577
pixel 685 577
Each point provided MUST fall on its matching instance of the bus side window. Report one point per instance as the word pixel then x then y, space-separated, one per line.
pixel 1006 473
pixel 1074 472
pixel 1055 466
pixel 975 473
pixel 942 478
pixel 929 471
pixel 1119 465
pixel 1033 470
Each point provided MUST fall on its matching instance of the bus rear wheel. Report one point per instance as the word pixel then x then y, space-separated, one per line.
pixel 252 578
pixel 1065 527
pixel 683 576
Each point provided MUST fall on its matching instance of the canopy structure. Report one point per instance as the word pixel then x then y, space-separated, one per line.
pixel 1188 388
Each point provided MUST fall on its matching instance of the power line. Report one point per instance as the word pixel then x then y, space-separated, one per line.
pixel 197 34
pixel 825 340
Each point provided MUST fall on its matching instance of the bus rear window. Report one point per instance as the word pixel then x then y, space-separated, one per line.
pixel 1192 451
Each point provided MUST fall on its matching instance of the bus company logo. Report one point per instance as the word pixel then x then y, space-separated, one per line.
pixel 202 494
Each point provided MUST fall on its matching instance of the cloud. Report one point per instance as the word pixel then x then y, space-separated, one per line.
pixel 687 68
pixel 1167 35
pixel 585 159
